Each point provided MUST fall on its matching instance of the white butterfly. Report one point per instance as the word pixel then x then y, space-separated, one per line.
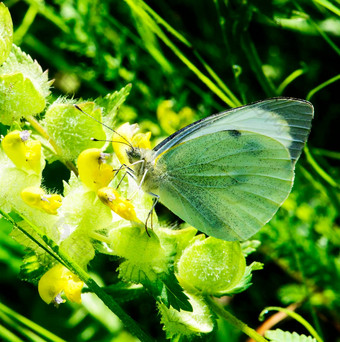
pixel 228 174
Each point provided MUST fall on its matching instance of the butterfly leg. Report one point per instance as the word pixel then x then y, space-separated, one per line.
pixel 150 214
pixel 142 180
pixel 129 172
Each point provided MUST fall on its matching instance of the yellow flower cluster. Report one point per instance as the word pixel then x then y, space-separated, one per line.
pixel 25 154
pixel 97 175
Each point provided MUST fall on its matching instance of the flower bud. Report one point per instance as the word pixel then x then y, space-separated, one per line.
pixel 211 266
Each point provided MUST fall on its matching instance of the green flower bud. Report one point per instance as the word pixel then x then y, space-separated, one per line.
pixel 211 266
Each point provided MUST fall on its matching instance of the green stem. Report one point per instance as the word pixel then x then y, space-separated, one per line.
pixel 289 79
pixel 256 64
pixel 139 10
pixel 29 335
pixel 235 321
pixel 21 31
pixel 297 317
pixel 319 170
pixel 321 86
pixel 29 324
pixel 7 335
pixel 62 257
pixel 49 13
pixel 319 30
pixel 326 153
pixel 36 229
pixel 36 125
pixel 222 22
pixel 183 40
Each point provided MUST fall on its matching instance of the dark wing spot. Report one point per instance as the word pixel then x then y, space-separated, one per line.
pixel 234 133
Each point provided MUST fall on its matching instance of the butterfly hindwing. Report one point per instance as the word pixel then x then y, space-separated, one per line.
pixel 227 184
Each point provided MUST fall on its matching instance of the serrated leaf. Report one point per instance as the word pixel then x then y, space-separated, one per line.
pixel 20 62
pixel 123 292
pixel 6 32
pixel 111 103
pixel 250 246
pixel 245 282
pixel 187 324
pixel 166 289
pixel 175 294
pixel 285 336
pixel 18 98
pixel 32 269
pixel 72 130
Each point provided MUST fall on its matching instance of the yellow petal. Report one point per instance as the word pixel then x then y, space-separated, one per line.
pixel 93 172
pixel 124 136
pixel 37 198
pixel 57 280
pixel 142 140
pixel 25 154
pixel 121 206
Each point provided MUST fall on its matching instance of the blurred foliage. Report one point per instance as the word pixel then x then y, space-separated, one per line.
pixel 202 56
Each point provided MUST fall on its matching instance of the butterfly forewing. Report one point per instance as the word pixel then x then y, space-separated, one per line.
pixel 227 184
pixel 283 119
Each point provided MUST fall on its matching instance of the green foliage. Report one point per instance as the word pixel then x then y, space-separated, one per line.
pixel 6 33
pixel 203 55
pixel 285 336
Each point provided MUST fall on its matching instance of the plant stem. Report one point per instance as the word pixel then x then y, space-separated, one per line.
pixel 256 64
pixel 297 317
pixel 28 20
pixel 62 257
pixel 154 27
pixel 29 324
pixel 234 321
pixel 36 125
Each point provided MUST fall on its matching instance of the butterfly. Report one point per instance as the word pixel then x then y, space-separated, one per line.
pixel 229 173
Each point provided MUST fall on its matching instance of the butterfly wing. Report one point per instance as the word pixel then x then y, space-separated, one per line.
pixel 227 184
pixel 286 120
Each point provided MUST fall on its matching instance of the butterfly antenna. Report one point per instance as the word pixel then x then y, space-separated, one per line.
pixel 112 141
pixel 127 142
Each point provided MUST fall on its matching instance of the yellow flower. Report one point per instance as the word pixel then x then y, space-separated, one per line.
pixel 128 134
pixel 121 206
pixel 37 198
pixel 60 280
pixel 24 153
pixel 169 120
pixel 93 172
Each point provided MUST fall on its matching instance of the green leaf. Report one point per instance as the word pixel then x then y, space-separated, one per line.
pixel 23 87
pixel 123 292
pixel 6 32
pixel 18 98
pixel 167 290
pixel 245 282
pixel 20 62
pixel 31 269
pixel 292 293
pixel 250 246
pixel 285 336
pixel 187 324
pixel 72 130
pixel 111 103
